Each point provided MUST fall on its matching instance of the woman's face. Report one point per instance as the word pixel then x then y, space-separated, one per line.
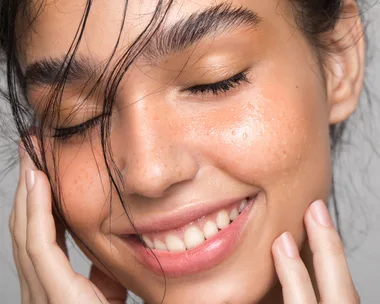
pixel 189 152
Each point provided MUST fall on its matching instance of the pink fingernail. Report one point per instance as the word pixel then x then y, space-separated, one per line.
pixel 288 246
pixel 321 214
pixel 30 176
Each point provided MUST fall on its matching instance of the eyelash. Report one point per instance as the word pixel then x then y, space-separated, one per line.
pixel 221 86
pixel 63 134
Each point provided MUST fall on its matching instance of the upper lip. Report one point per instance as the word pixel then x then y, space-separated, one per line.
pixel 179 217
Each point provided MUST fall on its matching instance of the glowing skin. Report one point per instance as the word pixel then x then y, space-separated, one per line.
pixel 176 150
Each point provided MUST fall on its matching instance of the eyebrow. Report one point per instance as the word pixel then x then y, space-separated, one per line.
pixel 211 22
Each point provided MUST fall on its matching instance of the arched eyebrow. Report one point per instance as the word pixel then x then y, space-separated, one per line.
pixel 211 22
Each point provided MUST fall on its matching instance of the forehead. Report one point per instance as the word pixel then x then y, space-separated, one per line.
pixel 57 21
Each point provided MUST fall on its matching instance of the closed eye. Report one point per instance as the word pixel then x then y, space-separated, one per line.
pixel 64 134
pixel 217 88
pixel 221 86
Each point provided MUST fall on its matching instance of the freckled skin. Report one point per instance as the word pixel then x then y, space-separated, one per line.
pixel 270 134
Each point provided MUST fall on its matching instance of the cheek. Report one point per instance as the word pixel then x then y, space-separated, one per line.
pixel 278 141
pixel 271 138
pixel 84 189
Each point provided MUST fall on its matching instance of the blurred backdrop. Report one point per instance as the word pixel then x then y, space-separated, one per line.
pixel 357 175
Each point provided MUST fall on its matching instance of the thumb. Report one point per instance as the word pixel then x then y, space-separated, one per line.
pixel 113 291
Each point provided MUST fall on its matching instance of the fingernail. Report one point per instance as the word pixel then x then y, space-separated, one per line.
pixel 288 246
pixel 30 176
pixel 321 214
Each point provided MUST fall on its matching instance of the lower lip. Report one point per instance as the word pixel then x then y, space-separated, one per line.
pixel 206 256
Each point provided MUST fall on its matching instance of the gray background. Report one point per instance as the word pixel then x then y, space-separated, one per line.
pixel 358 190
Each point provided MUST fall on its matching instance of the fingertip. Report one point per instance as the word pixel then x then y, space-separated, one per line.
pixel 284 245
pixel 318 215
pixel 30 179
pixel 24 152
pixel 38 189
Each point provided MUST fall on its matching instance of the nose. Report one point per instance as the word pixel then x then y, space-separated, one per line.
pixel 153 151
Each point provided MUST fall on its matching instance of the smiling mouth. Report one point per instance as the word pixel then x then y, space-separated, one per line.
pixel 197 232
pixel 199 245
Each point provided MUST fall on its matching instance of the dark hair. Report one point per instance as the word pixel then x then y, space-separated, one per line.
pixel 313 17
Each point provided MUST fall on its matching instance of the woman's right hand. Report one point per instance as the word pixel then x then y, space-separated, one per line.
pixel 39 250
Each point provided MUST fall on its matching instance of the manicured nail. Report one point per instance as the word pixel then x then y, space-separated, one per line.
pixel 30 176
pixel 288 246
pixel 321 214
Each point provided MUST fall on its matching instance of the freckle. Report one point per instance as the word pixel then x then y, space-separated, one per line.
pixel 251 106
pixel 297 87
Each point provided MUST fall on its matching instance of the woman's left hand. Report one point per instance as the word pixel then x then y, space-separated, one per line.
pixel 333 277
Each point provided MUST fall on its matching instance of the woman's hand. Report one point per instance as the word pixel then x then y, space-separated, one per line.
pixel 331 269
pixel 39 250
pixel 46 275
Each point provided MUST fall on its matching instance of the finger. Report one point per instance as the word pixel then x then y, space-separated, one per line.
pixel 14 247
pixel 112 290
pixel 292 273
pixel 331 267
pixel 52 266
pixel 31 289
pixel 23 285
pixel 19 208
pixel 61 234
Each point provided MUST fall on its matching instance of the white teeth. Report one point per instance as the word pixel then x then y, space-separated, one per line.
pixel 243 203
pixel 234 214
pixel 193 237
pixel 209 229
pixel 148 242
pixel 223 219
pixel 174 243
pixel 159 245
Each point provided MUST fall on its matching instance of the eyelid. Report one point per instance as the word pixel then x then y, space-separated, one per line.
pixel 66 133
pixel 216 88
pixel 79 125
pixel 221 86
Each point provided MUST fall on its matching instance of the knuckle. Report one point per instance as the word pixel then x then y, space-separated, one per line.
pixel 39 296
pixel 304 277
pixel 18 239
pixel 334 247
pixel 32 250
pixel 356 297
pixel 11 222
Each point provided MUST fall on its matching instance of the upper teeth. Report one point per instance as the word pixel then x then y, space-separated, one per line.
pixel 174 243
pixel 210 229
pixel 243 204
pixel 194 235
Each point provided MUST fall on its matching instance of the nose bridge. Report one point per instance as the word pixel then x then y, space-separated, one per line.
pixel 155 158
